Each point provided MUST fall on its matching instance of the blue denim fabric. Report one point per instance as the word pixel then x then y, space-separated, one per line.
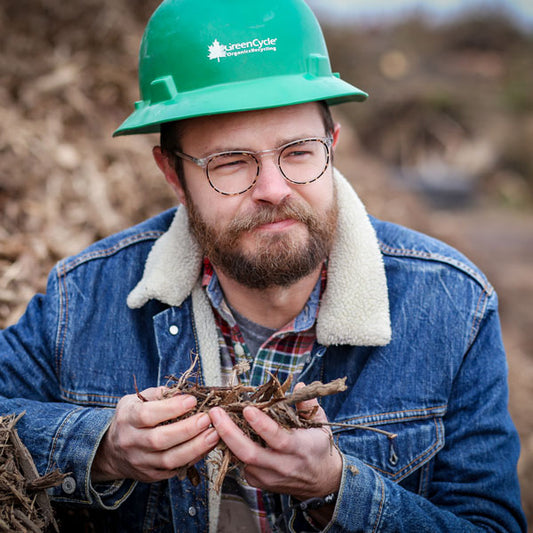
pixel 440 386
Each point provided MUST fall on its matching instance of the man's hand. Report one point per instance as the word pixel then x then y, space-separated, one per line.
pixel 137 447
pixel 301 462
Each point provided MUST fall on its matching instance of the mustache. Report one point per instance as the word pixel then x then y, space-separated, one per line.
pixel 268 214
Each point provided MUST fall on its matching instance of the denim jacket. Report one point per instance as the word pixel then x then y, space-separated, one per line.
pixel 410 322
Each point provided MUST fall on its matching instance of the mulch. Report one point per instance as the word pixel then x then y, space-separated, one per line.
pixel 24 503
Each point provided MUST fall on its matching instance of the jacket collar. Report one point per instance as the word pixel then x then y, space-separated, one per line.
pixel 355 305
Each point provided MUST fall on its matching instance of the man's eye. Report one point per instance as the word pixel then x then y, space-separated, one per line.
pixel 234 163
pixel 298 156
pixel 301 151
pixel 228 163
pixel 298 153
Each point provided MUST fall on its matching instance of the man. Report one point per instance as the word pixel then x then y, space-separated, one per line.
pixel 270 260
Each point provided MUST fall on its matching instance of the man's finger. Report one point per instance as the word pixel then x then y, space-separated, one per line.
pixel 187 453
pixel 151 414
pixel 168 436
pixel 310 409
pixel 269 430
pixel 242 446
pixel 150 394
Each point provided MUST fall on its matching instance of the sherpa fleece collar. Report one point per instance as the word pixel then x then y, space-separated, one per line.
pixel 355 306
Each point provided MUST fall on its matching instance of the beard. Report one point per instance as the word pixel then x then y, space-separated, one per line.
pixel 276 260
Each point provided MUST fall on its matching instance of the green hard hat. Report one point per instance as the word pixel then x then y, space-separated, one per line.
pixel 206 57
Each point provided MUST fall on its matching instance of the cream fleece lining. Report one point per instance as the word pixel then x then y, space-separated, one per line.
pixel 354 308
pixel 355 305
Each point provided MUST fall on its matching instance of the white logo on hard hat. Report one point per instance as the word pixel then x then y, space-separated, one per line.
pixel 218 51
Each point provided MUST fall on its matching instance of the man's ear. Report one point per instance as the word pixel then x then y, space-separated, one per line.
pixel 167 168
pixel 336 134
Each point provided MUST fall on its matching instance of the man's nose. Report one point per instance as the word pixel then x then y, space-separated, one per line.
pixel 270 186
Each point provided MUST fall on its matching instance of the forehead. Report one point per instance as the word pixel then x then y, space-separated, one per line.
pixel 251 129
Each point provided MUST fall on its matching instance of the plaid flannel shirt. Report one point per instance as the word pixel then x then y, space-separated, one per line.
pixel 285 352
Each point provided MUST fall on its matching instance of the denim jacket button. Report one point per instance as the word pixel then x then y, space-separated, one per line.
pixel 173 330
pixel 192 511
pixel 68 485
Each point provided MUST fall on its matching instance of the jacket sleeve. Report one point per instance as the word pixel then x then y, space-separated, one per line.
pixel 58 434
pixel 474 485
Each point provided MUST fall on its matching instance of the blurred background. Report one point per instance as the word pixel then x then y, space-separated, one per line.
pixel 443 145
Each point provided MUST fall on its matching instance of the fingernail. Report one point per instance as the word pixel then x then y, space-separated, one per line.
pixel 251 414
pixel 203 422
pixel 211 438
pixel 189 402
pixel 214 414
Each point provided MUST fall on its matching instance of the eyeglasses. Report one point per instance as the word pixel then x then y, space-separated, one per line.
pixel 235 172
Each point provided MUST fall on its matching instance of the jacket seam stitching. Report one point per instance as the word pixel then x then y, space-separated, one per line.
pixel 478 316
pixel 76 396
pixel 429 256
pixel 413 416
pixel 381 504
pixel 426 454
pixel 71 264
pixel 59 328
pixel 56 436
pixel 63 322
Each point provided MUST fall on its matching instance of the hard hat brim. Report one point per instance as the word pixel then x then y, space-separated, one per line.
pixel 271 92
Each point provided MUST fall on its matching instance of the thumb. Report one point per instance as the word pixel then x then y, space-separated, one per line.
pixel 152 393
pixel 310 409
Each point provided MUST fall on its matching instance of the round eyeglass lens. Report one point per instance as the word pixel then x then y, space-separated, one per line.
pixel 304 161
pixel 233 172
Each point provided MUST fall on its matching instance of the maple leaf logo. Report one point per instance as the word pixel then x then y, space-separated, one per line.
pixel 217 50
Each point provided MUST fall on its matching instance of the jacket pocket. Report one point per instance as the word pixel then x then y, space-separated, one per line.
pixel 396 444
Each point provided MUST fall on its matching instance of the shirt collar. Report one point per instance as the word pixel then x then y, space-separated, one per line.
pixel 304 320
